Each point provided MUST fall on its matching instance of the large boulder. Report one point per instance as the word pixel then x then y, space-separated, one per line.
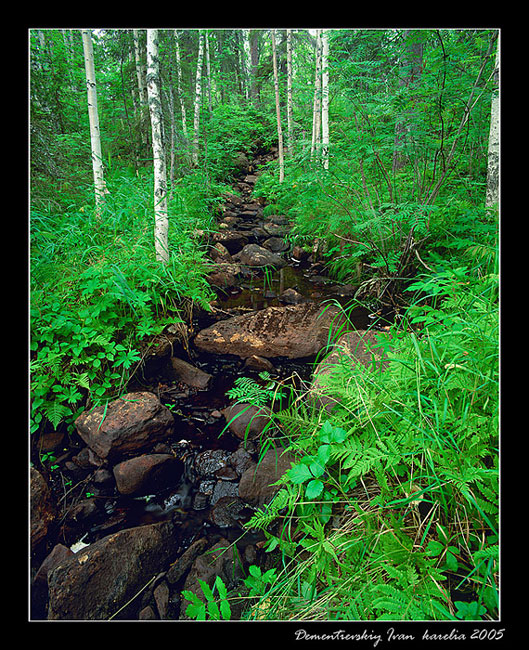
pixel 101 578
pixel 43 510
pixel 292 331
pixel 125 426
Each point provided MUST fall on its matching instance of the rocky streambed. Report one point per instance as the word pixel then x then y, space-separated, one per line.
pixel 151 493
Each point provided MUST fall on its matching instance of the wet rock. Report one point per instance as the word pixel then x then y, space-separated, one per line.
pixel 276 244
pixel 246 421
pixel 275 230
pixel 256 485
pixel 50 440
pixel 98 580
pixel 255 255
pixel 224 274
pixel 292 297
pixel 59 554
pixel 258 363
pixel 220 253
pixel 82 510
pixel 232 240
pixel 241 460
pixel 183 371
pixel 229 511
pixel 241 162
pixel 224 489
pixel 292 331
pixel 182 565
pixel 147 473
pixel 125 426
pixel 147 614
pixel 43 510
pixel 161 598
pixel 250 179
pixel 300 254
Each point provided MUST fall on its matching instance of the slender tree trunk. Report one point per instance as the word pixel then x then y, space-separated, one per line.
pixel 254 58
pixel 198 95
pixel 93 116
pixel 289 93
pixel 316 111
pixel 208 72
pixel 161 222
pixel 180 87
pixel 325 98
pixel 142 91
pixel 493 166
pixel 278 112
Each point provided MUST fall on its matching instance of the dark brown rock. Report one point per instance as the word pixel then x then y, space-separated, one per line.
pixel 257 483
pixel 101 578
pixel 125 426
pixel 43 510
pixel 147 473
pixel 255 255
pixel 246 421
pixel 183 371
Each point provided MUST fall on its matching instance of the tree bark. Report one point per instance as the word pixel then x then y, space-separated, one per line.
pixel 316 111
pixel 198 95
pixel 493 166
pixel 278 112
pixel 325 98
pixel 93 116
pixel 254 58
pixel 142 90
pixel 289 93
pixel 161 222
pixel 180 87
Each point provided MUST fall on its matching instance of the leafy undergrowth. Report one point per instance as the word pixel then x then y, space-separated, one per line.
pixel 97 292
pixel 391 510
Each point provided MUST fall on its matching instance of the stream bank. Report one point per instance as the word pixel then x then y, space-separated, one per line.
pixel 151 493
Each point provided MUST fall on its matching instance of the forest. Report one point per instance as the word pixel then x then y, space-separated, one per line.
pixel 264 324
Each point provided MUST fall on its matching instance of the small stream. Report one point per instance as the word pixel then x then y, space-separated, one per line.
pixel 199 424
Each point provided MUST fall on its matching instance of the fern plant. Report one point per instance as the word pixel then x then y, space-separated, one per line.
pixel 247 390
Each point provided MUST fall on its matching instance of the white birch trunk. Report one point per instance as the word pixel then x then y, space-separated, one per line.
pixel 198 95
pixel 180 87
pixel 325 98
pixel 493 165
pixel 278 113
pixel 316 111
pixel 208 73
pixel 289 92
pixel 93 117
pixel 139 68
pixel 161 222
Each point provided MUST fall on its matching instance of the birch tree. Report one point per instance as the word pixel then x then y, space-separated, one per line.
pixel 142 90
pixel 325 98
pixel 278 112
pixel 289 92
pixel 93 117
pixel 316 109
pixel 198 96
pixel 180 86
pixel 161 222
pixel 493 166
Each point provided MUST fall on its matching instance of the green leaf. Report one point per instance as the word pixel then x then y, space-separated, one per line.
pixel 299 474
pixel 434 548
pixel 314 489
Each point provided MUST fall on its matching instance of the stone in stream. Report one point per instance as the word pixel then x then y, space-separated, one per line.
pixel 255 255
pixel 96 582
pixel 125 426
pixel 292 331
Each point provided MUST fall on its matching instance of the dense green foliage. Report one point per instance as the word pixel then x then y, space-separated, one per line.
pixel 391 510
